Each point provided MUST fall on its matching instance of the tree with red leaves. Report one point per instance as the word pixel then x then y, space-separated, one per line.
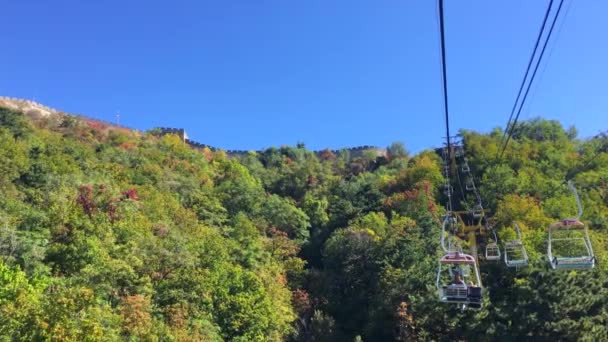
pixel 85 199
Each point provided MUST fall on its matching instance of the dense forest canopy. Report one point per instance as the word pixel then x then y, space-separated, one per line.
pixel 111 234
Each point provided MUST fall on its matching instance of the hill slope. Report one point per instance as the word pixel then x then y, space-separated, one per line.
pixel 118 235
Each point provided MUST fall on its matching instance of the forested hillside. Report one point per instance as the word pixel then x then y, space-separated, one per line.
pixel 110 234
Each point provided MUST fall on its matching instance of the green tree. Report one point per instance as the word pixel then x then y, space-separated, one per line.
pixel 397 150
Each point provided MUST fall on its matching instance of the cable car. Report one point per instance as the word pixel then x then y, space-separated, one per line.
pixel 469 184
pixel 446 153
pixel 569 246
pixel 492 250
pixel 458 280
pixel 477 211
pixel 465 166
pixel 515 252
pixel 458 151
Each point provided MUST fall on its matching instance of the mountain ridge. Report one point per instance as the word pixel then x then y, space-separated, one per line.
pixel 36 109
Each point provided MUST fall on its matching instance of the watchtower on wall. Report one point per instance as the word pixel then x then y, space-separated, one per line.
pixel 180 132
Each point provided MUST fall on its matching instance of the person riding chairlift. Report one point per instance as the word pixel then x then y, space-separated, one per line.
pixel 457 279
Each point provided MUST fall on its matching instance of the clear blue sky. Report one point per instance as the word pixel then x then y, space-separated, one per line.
pixel 248 74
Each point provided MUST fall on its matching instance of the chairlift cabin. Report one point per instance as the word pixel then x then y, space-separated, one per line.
pixel 465 167
pixel 492 250
pixel 445 153
pixel 458 151
pixel 515 252
pixel 469 184
pixel 569 246
pixel 477 211
pixel 458 280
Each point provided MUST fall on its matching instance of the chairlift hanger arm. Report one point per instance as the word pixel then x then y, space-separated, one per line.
pixel 445 222
pixel 578 200
pixel 517 230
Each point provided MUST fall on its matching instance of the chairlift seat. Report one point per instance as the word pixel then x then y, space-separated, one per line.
pixel 582 261
pixel 474 294
pixel 515 251
pixel 492 251
pixel 469 184
pixel 461 267
pixel 573 263
pixel 515 248
pixel 458 151
pixel 477 213
pixel 455 293
pixel 461 294
pixel 517 263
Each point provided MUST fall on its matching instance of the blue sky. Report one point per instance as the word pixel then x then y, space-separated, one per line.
pixel 248 74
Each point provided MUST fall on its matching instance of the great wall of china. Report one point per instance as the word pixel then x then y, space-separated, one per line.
pixel 34 108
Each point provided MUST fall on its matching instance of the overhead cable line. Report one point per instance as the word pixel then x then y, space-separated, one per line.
pixel 511 127
pixel 547 58
pixel 444 72
pixel 447 155
pixel 523 81
pixel 523 101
